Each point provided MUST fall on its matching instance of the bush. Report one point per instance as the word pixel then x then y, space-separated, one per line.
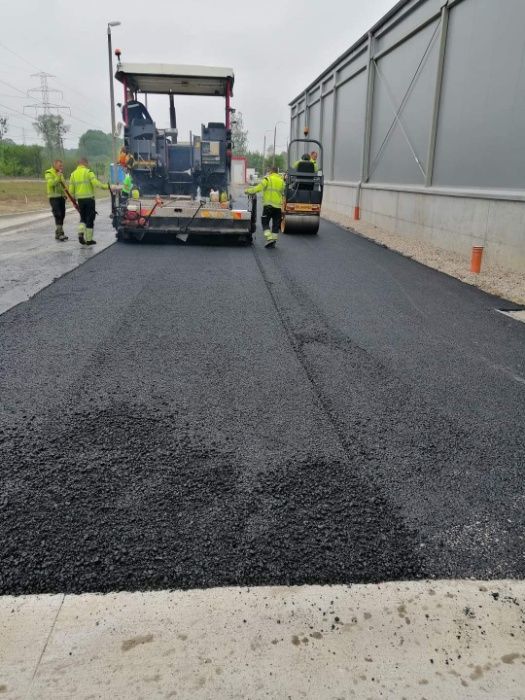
pixel 17 161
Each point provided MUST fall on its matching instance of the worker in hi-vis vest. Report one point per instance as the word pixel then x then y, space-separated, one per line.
pixel 127 185
pixel 82 184
pixel 55 185
pixel 272 188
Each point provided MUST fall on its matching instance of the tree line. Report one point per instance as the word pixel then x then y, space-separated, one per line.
pixel 18 160
pixel 31 161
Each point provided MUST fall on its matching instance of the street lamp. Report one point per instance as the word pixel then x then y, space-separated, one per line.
pixel 274 137
pixel 268 131
pixel 112 100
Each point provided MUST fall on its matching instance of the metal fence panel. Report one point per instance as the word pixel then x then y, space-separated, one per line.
pixel 464 131
pixel 403 100
pixel 419 13
pixel 314 120
pixel 481 135
pixel 328 119
pixel 349 128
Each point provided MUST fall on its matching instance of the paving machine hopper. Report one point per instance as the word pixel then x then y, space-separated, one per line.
pixel 304 189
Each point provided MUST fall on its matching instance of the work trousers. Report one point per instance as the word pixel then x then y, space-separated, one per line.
pixel 58 207
pixel 272 214
pixel 87 211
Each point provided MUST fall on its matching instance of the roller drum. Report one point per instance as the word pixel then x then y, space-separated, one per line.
pixel 295 223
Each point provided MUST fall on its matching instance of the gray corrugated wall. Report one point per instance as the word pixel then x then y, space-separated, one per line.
pixel 480 136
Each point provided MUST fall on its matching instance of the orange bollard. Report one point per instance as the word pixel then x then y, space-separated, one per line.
pixel 476 258
pixel 357 213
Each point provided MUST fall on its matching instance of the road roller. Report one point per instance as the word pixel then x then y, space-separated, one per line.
pixel 303 194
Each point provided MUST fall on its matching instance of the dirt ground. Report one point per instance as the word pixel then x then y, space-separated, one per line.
pixel 492 279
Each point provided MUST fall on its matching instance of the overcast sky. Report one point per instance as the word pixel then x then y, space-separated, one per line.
pixel 275 51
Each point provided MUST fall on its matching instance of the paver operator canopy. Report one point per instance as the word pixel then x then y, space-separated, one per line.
pixel 165 79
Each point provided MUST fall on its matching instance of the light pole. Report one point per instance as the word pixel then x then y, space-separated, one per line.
pixel 274 137
pixel 112 100
pixel 268 131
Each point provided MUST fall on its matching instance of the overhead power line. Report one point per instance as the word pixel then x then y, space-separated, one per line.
pixel 88 100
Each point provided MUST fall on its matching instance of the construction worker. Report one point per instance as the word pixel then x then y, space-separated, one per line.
pixel 125 159
pixel 127 185
pixel 272 187
pixel 305 158
pixel 82 185
pixel 313 158
pixel 55 185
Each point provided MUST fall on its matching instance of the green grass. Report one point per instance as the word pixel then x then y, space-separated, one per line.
pixel 17 196
pixel 22 195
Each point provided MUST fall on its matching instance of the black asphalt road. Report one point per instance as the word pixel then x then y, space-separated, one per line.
pixel 193 416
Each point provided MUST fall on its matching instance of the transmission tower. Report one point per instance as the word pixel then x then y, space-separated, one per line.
pixel 44 106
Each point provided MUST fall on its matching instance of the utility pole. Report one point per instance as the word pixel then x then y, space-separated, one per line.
pixel 112 101
pixel 274 139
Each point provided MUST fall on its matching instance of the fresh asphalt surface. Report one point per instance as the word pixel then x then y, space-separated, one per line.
pixel 326 412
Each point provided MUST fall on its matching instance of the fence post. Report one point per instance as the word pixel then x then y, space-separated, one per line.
pixel 334 129
pixel 367 137
pixel 431 158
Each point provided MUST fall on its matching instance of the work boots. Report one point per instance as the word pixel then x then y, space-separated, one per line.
pixel 81 232
pixel 59 233
pixel 270 238
pixel 89 237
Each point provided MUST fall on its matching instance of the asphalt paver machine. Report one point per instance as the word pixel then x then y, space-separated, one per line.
pixel 303 195
pixel 183 186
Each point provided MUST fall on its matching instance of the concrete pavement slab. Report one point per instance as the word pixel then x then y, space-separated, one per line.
pixel 25 626
pixel 396 640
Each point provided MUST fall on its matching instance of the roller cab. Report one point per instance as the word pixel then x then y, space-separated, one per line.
pixel 304 188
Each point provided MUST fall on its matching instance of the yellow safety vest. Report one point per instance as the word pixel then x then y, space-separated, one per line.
pixel 127 184
pixel 54 181
pixel 272 187
pixel 297 162
pixel 82 183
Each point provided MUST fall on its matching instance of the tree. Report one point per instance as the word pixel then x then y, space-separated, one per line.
pixel 255 160
pixel 52 129
pixel 3 127
pixel 95 142
pixel 239 136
